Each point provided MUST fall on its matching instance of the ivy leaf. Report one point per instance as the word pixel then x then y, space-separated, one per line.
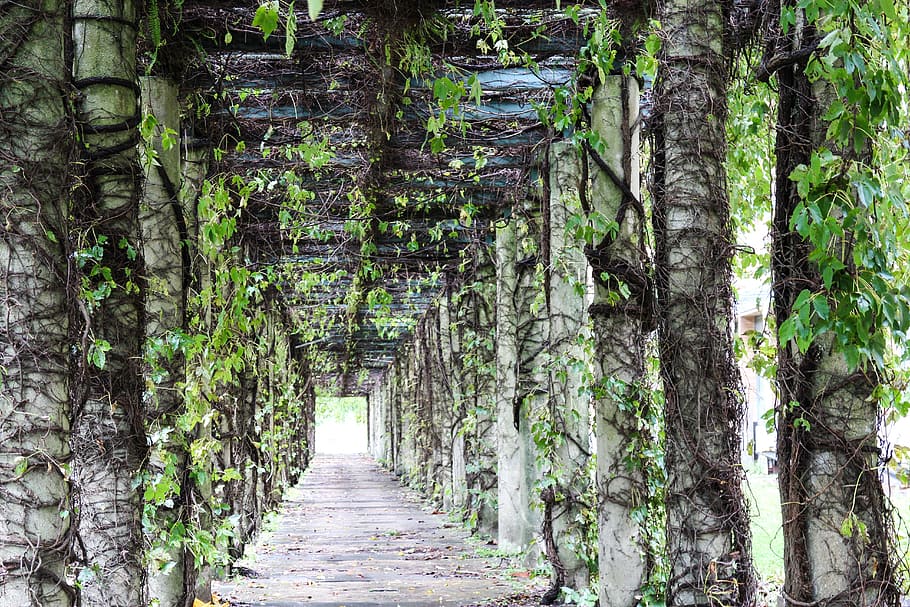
pixel 822 309
pixel 21 467
pixel 786 331
pixel 290 29
pixel 476 91
pixel 231 474
pixel 97 353
pixel 315 7
pixel 846 528
pixel 266 18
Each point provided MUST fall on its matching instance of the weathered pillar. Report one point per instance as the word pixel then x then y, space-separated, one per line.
pixel 36 143
pixel 384 425
pixel 619 336
pixel 164 233
pixel 394 419
pixel 455 495
pixel 404 415
pixel 567 327
pixel 374 416
pixel 477 314
pixel 109 443
pixel 708 535
pixel 515 526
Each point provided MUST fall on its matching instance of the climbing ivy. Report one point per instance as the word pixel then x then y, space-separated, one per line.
pixel 854 189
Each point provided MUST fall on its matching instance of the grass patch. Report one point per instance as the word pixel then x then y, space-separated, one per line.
pixel 767 535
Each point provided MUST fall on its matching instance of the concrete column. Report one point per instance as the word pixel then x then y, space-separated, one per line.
pixel 395 421
pixel 480 317
pixel 450 346
pixel 619 340
pixel 514 525
pixel 163 236
pixel 387 453
pixel 568 324
pixel 407 416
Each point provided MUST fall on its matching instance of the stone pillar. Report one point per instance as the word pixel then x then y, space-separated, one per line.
pixel 479 321
pixel 515 528
pixel 164 234
pixel 456 494
pixel 619 337
pixel 388 430
pixel 375 405
pixel 568 325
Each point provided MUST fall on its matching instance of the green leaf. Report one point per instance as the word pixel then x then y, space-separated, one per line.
pixel 21 467
pixel 266 18
pixel 846 528
pixel 801 299
pixel 821 307
pixel 476 91
pixel 828 275
pixel 851 354
pixel 315 7
pixel 786 331
pixel 231 474
pixel 97 353
pixel 290 29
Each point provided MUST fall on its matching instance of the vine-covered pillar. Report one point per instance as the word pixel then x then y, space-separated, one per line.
pixel 838 533
pixel 109 436
pixel 398 420
pixel 477 335
pixel 35 148
pixel 621 324
pixel 427 474
pixel 194 167
pixel 376 423
pixel 569 405
pixel 383 423
pixel 515 525
pixel 165 241
pixel 455 495
pixel 404 419
pixel 708 536
pixel 309 415
pixel 414 436
pixel 442 378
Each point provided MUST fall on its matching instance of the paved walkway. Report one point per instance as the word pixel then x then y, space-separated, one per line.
pixel 350 536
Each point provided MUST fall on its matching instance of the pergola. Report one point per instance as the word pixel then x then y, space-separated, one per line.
pixel 395 216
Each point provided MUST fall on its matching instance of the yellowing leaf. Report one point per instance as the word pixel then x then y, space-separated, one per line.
pixel 315 7
pixel 215 602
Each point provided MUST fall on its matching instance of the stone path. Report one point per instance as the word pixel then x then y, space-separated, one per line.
pixel 350 536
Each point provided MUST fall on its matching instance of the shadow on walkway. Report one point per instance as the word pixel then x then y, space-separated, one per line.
pixel 349 535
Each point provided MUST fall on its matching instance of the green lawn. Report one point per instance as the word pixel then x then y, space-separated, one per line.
pixel 767 539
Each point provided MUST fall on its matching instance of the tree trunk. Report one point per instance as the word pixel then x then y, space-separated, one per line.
pixel 35 145
pixel 109 438
pixel 707 520
pixel 837 549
